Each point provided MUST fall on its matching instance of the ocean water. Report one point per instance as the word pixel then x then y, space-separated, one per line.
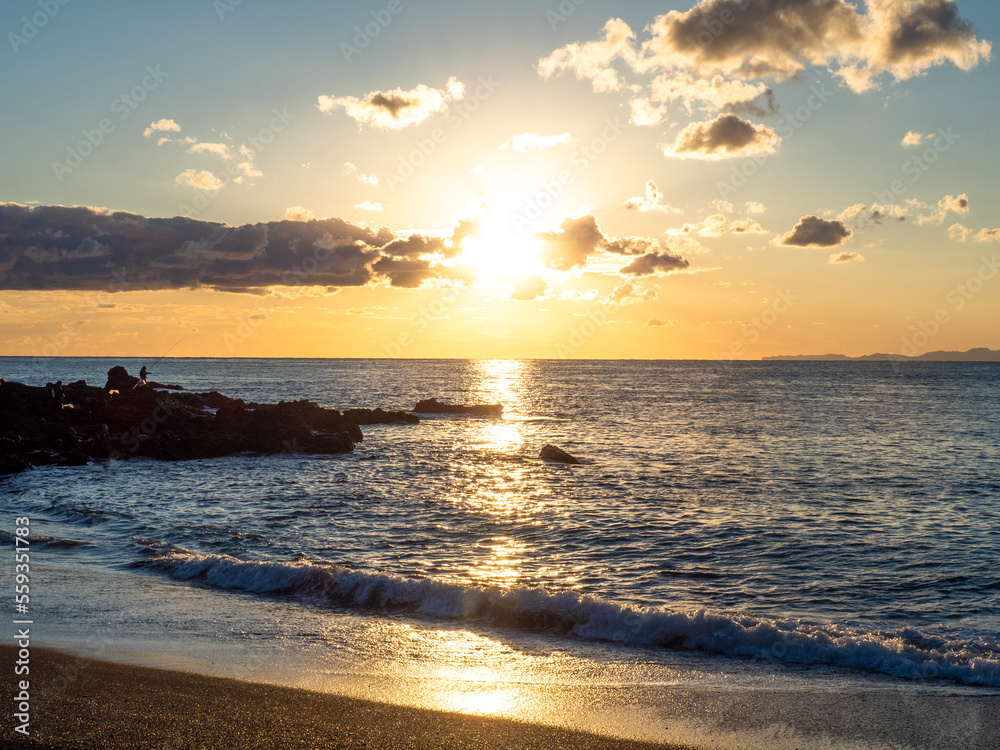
pixel 827 518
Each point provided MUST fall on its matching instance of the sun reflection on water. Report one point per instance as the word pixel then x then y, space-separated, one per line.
pixel 501 381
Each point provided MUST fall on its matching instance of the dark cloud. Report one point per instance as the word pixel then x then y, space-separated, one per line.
pixel 651 263
pixel 812 231
pixel 756 38
pixel 778 39
pixel 572 244
pixel 408 273
pixel 413 246
pixel 763 106
pixel 578 238
pixel 726 137
pixel 81 248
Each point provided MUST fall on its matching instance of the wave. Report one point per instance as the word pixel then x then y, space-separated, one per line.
pixel 905 653
pixel 36 540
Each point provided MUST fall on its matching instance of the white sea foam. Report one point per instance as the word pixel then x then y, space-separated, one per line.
pixel 905 653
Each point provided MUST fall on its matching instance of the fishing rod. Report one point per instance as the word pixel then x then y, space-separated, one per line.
pixel 149 372
pixel 171 348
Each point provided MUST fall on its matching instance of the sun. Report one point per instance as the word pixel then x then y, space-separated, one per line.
pixel 500 247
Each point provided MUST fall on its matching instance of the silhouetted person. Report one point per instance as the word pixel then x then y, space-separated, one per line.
pixel 58 395
pixel 142 374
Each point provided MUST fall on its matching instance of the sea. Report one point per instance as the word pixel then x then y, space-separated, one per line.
pixel 734 529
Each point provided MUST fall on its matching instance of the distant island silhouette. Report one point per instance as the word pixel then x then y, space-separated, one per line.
pixel 980 354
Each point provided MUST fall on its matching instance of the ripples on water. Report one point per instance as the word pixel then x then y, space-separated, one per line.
pixel 853 493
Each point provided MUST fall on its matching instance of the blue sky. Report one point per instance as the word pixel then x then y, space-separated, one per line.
pixel 219 72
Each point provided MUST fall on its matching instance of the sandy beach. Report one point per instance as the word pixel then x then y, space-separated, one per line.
pixel 86 703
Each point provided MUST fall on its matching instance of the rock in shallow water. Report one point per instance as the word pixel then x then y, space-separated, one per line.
pixel 127 419
pixel 433 406
pixel 552 453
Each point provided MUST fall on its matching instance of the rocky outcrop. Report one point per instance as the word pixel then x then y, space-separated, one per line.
pixel 553 453
pixel 362 417
pixel 119 380
pixel 433 406
pixel 43 426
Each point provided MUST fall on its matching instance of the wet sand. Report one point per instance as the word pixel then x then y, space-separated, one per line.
pixel 86 703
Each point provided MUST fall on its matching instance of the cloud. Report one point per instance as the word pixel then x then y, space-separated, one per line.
pixel 912 138
pixel 298 213
pixel 527 289
pixel 860 216
pixel 396 109
pixel 779 38
pixel 728 136
pixel 572 244
pixel 161 126
pixel 368 179
pixel 369 206
pixel 199 180
pixel 754 207
pixel 645 113
pixel 654 263
pixel 406 273
pixel 594 61
pixel 940 210
pixel 959 233
pixel 717 225
pixel 416 245
pixel 652 201
pixel 988 235
pixel 748 40
pixel 840 258
pixel 630 293
pixel 579 238
pixel 812 231
pixel 713 94
pixel 348 169
pixel 528 141
pixel 215 149
pixel 657 323
pixel 82 248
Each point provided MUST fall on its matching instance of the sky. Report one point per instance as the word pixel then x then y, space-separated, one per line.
pixel 730 179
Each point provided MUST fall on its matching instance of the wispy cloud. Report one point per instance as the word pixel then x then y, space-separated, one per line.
pixel 533 141
pixel 395 109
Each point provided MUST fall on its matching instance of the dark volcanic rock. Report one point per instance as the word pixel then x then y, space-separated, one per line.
pixel 364 417
pixel 119 380
pixel 552 453
pixel 433 406
pixel 127 419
